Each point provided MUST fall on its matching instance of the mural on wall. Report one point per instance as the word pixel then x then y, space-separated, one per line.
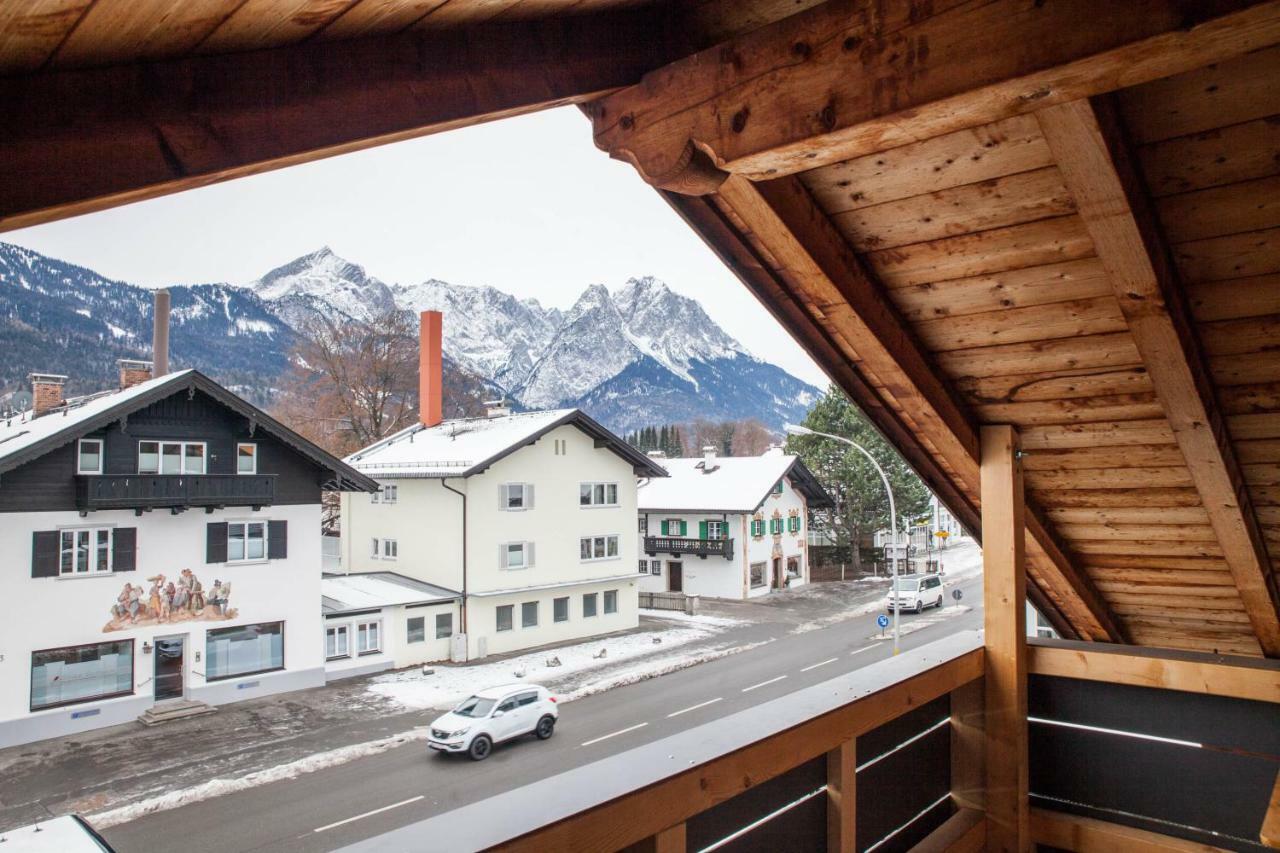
pixel 183 600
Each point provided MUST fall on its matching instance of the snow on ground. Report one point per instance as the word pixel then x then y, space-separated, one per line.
pixel 700 619
pixel 652 667
pixel 281 772
pixel 448 685
pixel 917 623
pixel 962 560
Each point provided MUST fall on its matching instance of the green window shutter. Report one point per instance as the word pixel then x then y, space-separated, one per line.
pixel 702 530
pixel 666 528
pixel 684 527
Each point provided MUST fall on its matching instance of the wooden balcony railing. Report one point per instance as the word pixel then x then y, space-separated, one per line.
pixel 145 491
pixel 678 546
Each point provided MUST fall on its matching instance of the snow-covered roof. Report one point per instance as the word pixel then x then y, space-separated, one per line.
pixel 466 446
pixel 367 591
pixel 734 484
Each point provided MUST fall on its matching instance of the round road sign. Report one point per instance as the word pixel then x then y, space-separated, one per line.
pixel 957 594
pixel 882 621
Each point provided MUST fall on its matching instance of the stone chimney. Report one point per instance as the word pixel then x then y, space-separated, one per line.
pixel 160 333
pixel 430 368
pixel 133 372
pixel 46 392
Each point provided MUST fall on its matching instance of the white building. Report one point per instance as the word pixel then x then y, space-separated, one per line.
pixel 162 544
pixel 529 515
pixel 383 620
pixel 944 522
pixel 727 527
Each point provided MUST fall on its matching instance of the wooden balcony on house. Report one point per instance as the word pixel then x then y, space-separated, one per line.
pixel 678 546
pixel 155 491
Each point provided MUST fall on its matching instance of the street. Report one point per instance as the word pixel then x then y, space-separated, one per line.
pixel 337 806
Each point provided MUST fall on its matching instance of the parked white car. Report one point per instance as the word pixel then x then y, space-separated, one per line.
pixel 495 715
pixel 915 593
pixel 65 834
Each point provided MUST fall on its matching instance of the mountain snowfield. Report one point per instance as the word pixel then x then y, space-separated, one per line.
pixel 641 355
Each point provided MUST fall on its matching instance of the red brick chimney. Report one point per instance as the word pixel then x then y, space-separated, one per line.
pixel 430 370
pixel 133 372
pixel 46 392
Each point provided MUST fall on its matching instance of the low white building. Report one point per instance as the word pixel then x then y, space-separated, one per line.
pixel 727 527
pixel 384 620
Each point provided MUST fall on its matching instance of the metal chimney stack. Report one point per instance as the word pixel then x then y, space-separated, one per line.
pixel 160 334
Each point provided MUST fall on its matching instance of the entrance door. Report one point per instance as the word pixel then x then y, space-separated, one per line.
pixel 675 577
pixel 779 579
pixel 169 667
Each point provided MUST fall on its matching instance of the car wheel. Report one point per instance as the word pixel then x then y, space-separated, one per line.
pixel 939 604
pixel 480 748
pixel 919 606
pixel 546 727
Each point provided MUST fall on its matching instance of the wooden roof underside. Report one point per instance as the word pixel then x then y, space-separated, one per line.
pixel 1061 216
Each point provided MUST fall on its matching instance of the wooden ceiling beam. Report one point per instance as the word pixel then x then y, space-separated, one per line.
pixel 72 142
pixel 828 293
pixel 1088 144
pixel 851 77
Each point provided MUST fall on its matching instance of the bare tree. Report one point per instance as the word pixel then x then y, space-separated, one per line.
pixel 750 438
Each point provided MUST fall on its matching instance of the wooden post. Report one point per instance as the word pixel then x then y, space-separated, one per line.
pixel 669 840
pixel 1004 603
pixel 968 745
pixel 1270 832
pixel 842 796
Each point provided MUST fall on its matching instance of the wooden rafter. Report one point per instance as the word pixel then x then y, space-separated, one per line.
pixel 826 289
pixel 851 77
pixel 76 141
pixel 1091 153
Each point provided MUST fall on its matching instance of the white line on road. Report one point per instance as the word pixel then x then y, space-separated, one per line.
pixel 614 734
pixel 370 814
pixel 820 663
pixel 863 649
pixel 762 684
pixel 695 707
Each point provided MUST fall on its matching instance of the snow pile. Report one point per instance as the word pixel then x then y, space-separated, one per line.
pixel 700 619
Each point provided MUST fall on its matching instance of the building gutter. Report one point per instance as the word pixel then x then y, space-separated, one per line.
pixel 444 482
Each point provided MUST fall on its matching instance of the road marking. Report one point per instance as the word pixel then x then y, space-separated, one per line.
pixel 615 734
pixel 371 814
pixel 695 707
pixel 762 684
pixel 863 649
pixel 823 663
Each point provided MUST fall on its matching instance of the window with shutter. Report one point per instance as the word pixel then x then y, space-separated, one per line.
pixel 215 549
pixel 666 527
pixel 702 530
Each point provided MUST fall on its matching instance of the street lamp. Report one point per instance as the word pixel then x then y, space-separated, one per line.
pixel 796 429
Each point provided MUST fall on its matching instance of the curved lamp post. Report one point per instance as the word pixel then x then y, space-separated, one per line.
pixel 796 429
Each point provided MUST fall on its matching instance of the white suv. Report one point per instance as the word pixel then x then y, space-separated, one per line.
pixel 493 716
pixel 915 593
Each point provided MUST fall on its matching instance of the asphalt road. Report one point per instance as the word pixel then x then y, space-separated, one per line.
pixel 330 808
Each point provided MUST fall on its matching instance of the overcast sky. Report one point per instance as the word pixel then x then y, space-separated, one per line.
pixel 527 205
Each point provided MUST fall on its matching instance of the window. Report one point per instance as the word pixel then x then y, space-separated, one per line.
pixel 757 527
pixel 444 626
pixel 656 567
pixel 644 567
pixel 171 457
pixel 246 540
pixel 417 629
pixel 757 574
pixel 248 649
pixel 717 530
pixel 384 549
pixel 84 551
pixel 793 566
pixel 390 494
pixel 598 548
pixel 775 526
pixel 589 604
pixel 89 456
pixel 1043 627
pixel 515 497
pixel 610 601
pixel 515 555
pixel 505 613
pixel 246 458
pixel 529 614
pixel 673 527
pixel 560 609
pixel 598 494
pixel 644 525
pixel 793 524
pixel 337 642
pixel 777 488
pixel 561 446
pixel 368 638
pixel 81 674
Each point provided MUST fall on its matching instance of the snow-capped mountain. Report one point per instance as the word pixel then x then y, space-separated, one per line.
pixel 642 355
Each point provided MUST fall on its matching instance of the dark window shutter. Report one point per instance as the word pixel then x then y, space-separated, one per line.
pixel 277 540
pixel 215 547
pixel 44 554
pixel 124 549
pixel 665 528
pixel 702 530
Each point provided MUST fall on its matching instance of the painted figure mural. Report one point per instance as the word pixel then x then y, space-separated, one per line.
pixel 166 601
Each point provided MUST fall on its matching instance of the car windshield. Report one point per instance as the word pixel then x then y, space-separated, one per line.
pixel 905 585
pixel 476 706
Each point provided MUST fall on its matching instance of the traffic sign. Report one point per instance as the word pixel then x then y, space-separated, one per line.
pixel 957 594
pixel 882 621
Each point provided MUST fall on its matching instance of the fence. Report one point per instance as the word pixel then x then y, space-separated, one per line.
pixel 670 601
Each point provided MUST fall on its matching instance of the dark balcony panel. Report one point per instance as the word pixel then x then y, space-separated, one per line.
pixel 678 546
pixel 142 491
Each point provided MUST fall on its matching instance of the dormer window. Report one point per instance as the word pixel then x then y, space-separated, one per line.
pixel 171 457
pixel 89 456
pixel 246 458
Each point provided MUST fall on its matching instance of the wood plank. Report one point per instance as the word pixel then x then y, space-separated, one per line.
pixel 967 156
pixel 1056 385
pixel 1153 532
pixel 1259 451
pixel 1270 832
pixel 1162 563
pixel 113 31
pixel 994 203
pixel 1091 351
pixel 1265 495
pixel 1111 407
pixel 1101 434
pixel 1220 211
pixel 1146 546
pixel 1129 515
pixel 1244 646
pixel 1153 497
pixel 1086 835
pixel 1244 399
pixel 963 832
pixel 1089 148
pixel 842 798
pixel 377 17
pixel 1021 325
pixel 1048 241
pixel 1261 474
pixel 1248 369
pixel 1260 425
pixel 1191 602
pixel 76 141
pixel 1021 288
pixel 1234 256
pixel 1005 638
pixel 1224 155
pixel 1235 299
pixel 1136 456
pixel 1240 337
pixel 1156 576
pixel 1209 97
pixel 837 81
pixel 30 32
pixel 1140 616
pixel 1109 478
pixel 259 24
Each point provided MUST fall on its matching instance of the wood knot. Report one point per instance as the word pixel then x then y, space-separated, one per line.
pixel 739 120
pixel 627 122
pixel 851 43
pixel 828 116
pixel 801 50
